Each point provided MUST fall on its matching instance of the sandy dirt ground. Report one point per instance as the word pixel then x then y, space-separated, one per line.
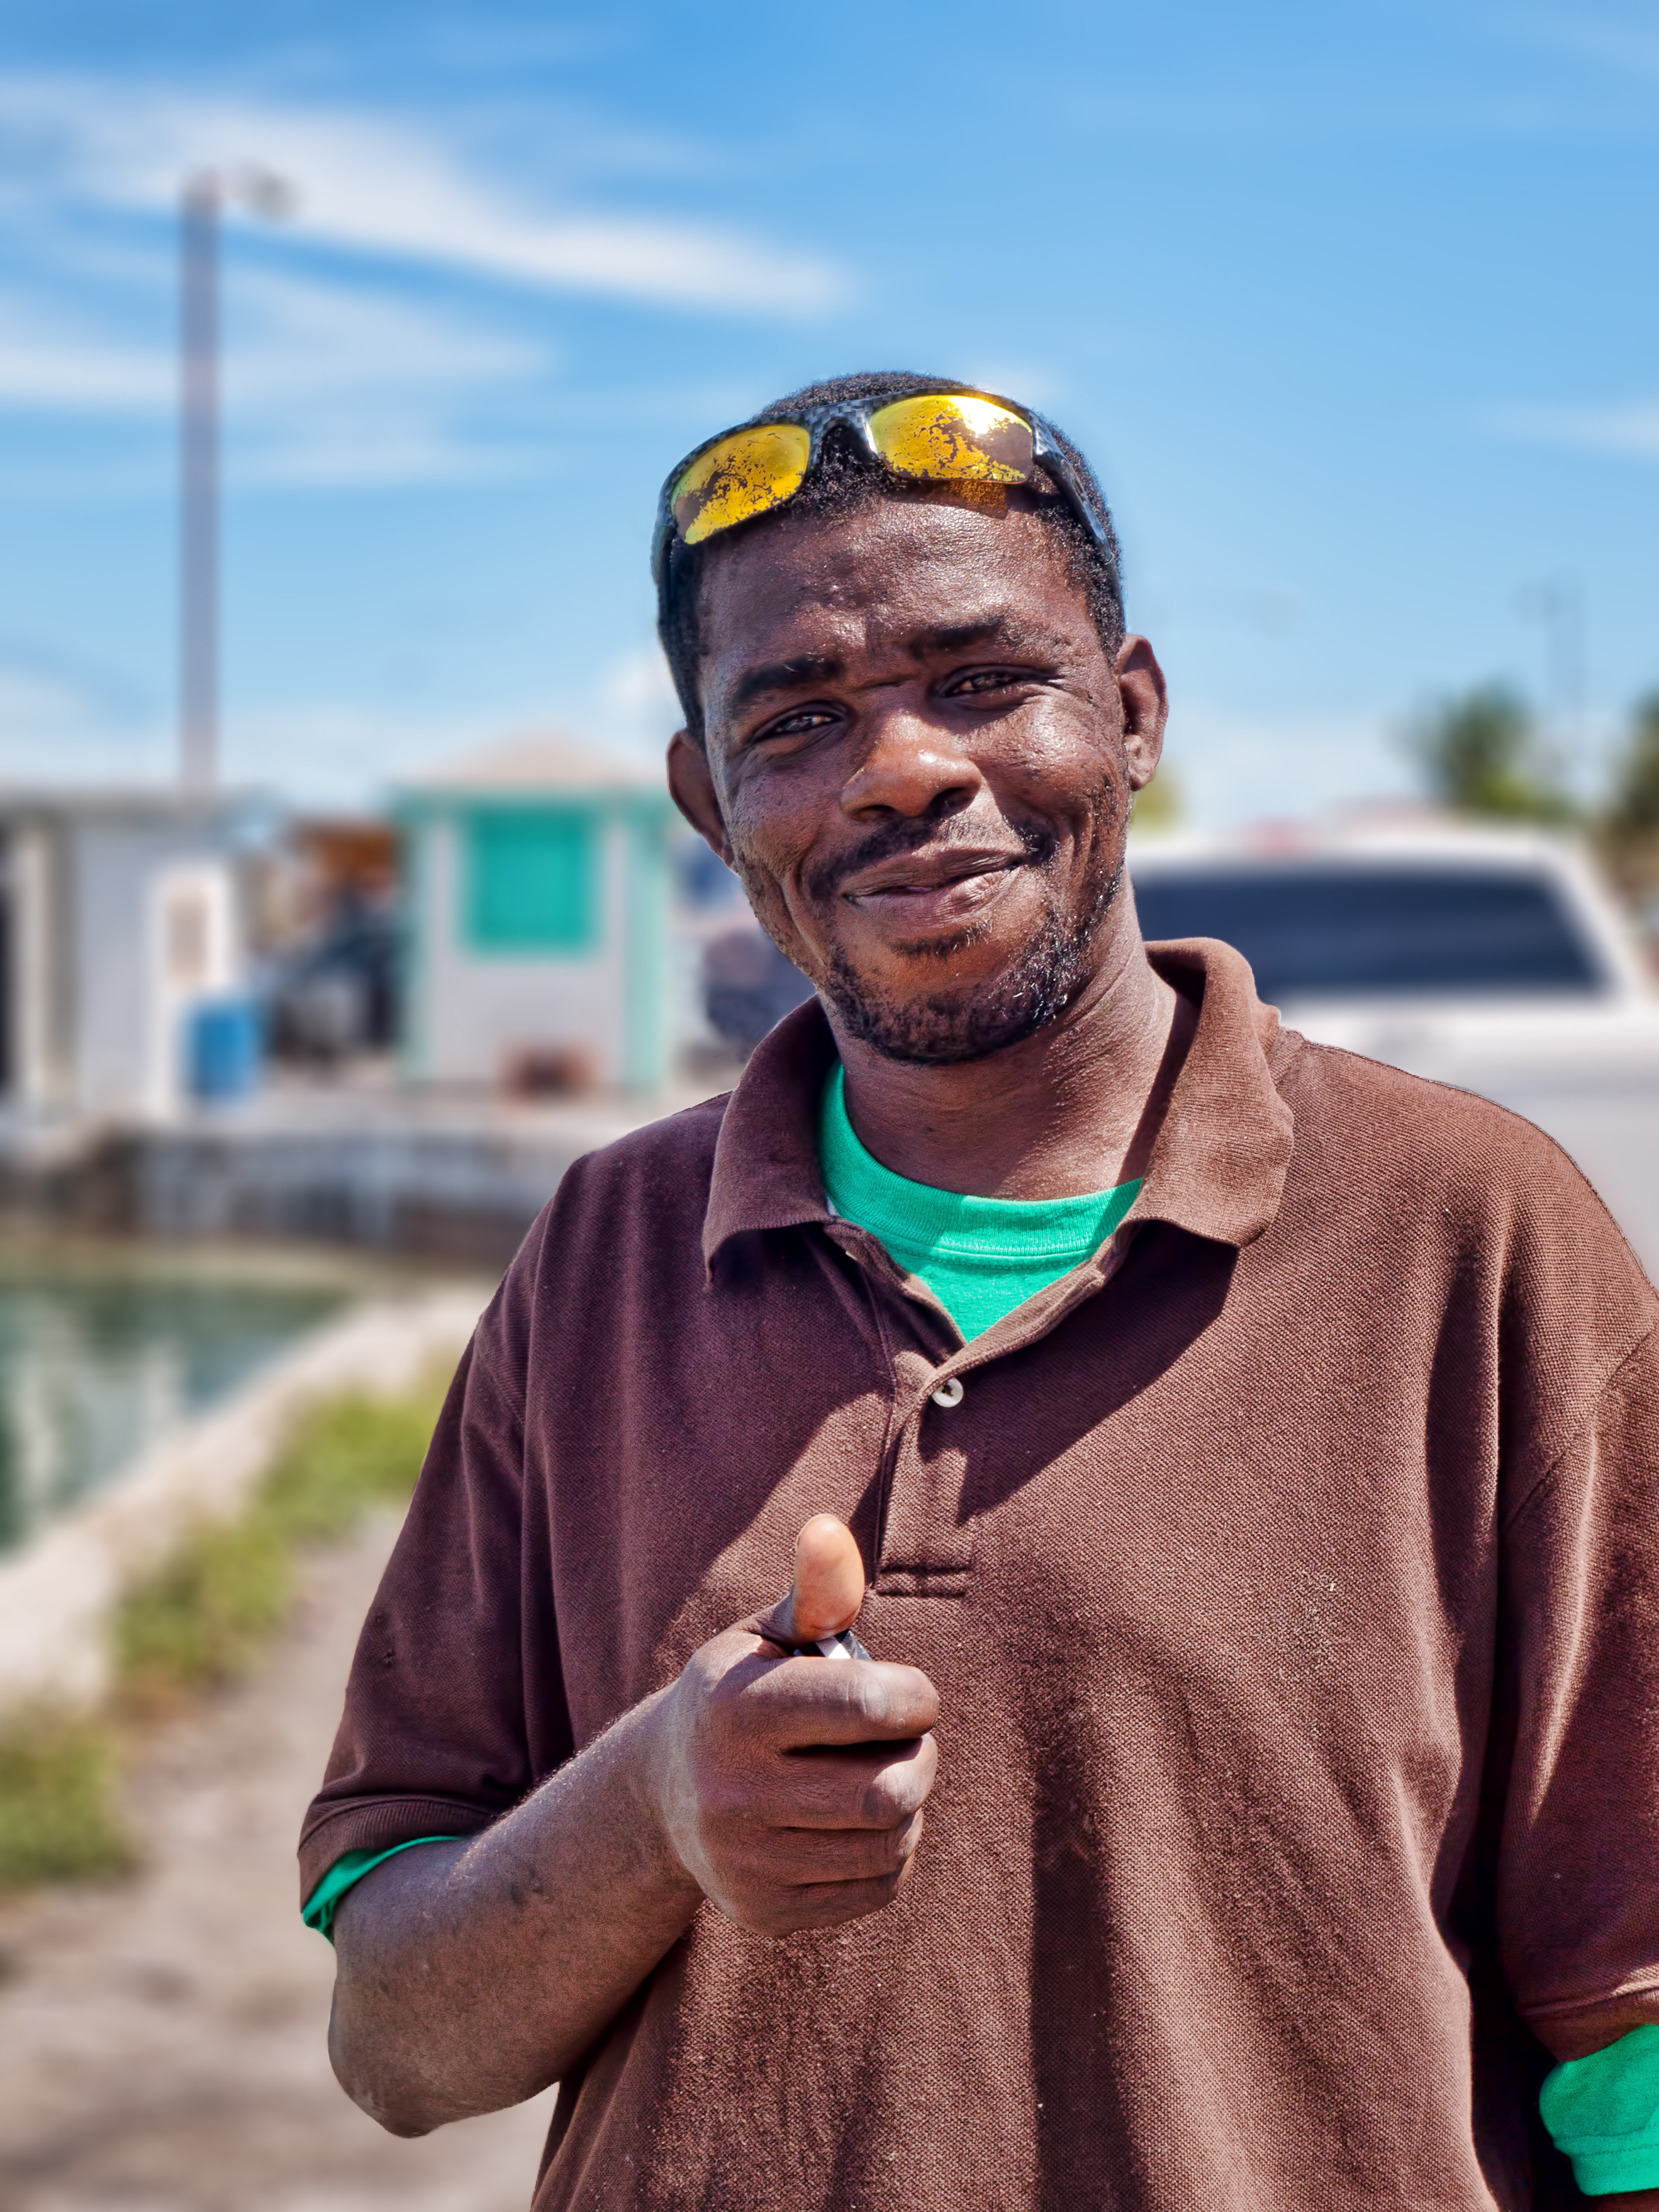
pixel 161 2039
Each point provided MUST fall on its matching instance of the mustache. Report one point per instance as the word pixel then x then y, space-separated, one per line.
pixel 896 839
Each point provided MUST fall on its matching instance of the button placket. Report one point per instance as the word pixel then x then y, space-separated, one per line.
pixel 923 1548
pixel 926 1550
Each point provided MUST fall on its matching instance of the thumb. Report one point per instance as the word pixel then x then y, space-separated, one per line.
pixel 828 1588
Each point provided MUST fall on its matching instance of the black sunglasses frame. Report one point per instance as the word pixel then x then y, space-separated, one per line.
pixel 855 415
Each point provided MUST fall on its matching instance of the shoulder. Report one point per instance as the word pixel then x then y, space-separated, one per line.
pixel 673 1156
pixel 1395 1127
pixel 633 1208
pixel 658 1174
pixel 1441 1179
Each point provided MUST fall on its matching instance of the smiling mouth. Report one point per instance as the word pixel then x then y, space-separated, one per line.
pixel 911 875
pixel 946 891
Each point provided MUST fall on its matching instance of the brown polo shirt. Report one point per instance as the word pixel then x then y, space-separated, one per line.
pixel 1290 1575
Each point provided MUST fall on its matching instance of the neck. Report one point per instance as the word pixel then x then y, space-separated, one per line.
pixel 1074 1108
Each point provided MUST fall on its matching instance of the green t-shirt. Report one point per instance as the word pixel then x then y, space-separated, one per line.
pixel 1603 2112
pixel 981 1257
pixel 347 1871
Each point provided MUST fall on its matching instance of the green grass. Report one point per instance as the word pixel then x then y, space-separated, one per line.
pixel 198 1623
pixel 353 1454
pixel 203 1619
pixel 58 1817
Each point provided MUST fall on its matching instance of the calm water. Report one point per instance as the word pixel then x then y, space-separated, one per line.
pixel 100 1357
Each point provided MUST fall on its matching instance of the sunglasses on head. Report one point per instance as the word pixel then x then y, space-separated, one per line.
pixel 932 437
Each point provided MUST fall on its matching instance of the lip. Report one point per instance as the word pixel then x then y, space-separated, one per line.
pixel 946 891
pixel 917 875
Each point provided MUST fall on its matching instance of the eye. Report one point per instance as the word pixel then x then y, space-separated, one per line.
pixel 975 682
pixel 800 724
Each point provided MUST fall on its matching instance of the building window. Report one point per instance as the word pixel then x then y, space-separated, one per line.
pixel 532 880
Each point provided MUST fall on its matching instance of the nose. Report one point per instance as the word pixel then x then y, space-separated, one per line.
pixel 912 768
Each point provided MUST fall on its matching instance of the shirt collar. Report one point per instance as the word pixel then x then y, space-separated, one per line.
pixel 1220 1157
pixel 1218 1167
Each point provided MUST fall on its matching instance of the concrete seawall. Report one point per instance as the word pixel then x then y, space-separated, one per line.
pixel 452 1179
pixel 58 1595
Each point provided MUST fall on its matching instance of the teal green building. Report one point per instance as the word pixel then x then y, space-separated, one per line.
pixel 536 897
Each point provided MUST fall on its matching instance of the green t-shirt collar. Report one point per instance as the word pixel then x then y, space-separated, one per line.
pixel 981 1257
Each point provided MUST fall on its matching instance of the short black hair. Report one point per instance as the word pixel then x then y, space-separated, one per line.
pixel 846 478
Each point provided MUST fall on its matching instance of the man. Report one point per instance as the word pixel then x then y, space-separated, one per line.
pixel 1250 1450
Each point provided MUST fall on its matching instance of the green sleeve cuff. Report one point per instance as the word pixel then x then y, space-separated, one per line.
pixel 347 1870
pixel 1603 2112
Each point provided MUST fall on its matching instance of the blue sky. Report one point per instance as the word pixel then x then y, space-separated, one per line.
pixel 1352 307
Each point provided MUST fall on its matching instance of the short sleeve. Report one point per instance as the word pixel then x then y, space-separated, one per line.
pixel 454 1707
pixel 1578 1866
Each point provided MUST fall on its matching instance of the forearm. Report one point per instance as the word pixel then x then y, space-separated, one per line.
pixel 472 1975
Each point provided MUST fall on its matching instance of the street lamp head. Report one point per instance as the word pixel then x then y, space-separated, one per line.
pixel 262 192
pixel 259 192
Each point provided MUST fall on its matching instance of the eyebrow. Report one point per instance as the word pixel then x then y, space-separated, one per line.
pixel 1004 629
pixel 782 676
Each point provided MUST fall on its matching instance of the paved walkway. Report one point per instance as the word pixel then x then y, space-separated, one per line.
pixel 161 2040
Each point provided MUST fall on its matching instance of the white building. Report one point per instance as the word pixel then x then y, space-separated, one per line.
pixel 119 916
pixel 537 884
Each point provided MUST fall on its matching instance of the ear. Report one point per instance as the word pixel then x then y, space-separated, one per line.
pixel 692 788
pixel 1145 699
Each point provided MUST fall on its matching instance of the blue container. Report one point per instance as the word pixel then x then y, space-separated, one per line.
pixel 226 1048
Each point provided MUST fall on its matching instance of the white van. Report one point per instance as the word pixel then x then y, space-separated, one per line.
pixel 1490 960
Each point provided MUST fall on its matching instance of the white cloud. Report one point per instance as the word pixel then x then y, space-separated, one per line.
pixel 1236 768
pixel 335 378
pixel 389 189
pixel 340 387
pixel 1625 49
pixel 295 339
pixel 346 753
pixel 323 386
pixel 321 752
pixel 370 448
pixel 49 361
pixel 1631 429
pixel 54 730
pixel 59 731
pixel 302 337
pixel 633 701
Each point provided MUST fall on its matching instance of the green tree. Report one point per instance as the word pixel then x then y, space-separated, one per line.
pixel 1628 829
pixel 1161 806
pixel 1633 803
pixel 1479 753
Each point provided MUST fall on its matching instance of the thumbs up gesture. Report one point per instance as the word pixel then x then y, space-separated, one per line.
pixel 792 1791
pixel 822 1603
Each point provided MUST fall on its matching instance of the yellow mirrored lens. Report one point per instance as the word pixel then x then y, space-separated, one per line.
pixel 741 477
pixel 954 436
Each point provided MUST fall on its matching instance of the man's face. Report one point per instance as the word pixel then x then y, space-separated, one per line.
pixel 919 759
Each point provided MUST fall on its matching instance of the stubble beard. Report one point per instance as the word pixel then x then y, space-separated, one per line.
pixel 954 1024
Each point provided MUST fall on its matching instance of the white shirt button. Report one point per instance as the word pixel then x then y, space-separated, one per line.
pixel 949 1393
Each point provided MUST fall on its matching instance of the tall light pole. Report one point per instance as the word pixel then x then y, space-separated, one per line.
pixel 1558 603
pixel 202 203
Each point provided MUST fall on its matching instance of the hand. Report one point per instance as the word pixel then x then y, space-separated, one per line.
pixel 791 1789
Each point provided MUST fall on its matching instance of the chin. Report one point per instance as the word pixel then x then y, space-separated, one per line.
pixel 932 1021
pixel 942 1029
